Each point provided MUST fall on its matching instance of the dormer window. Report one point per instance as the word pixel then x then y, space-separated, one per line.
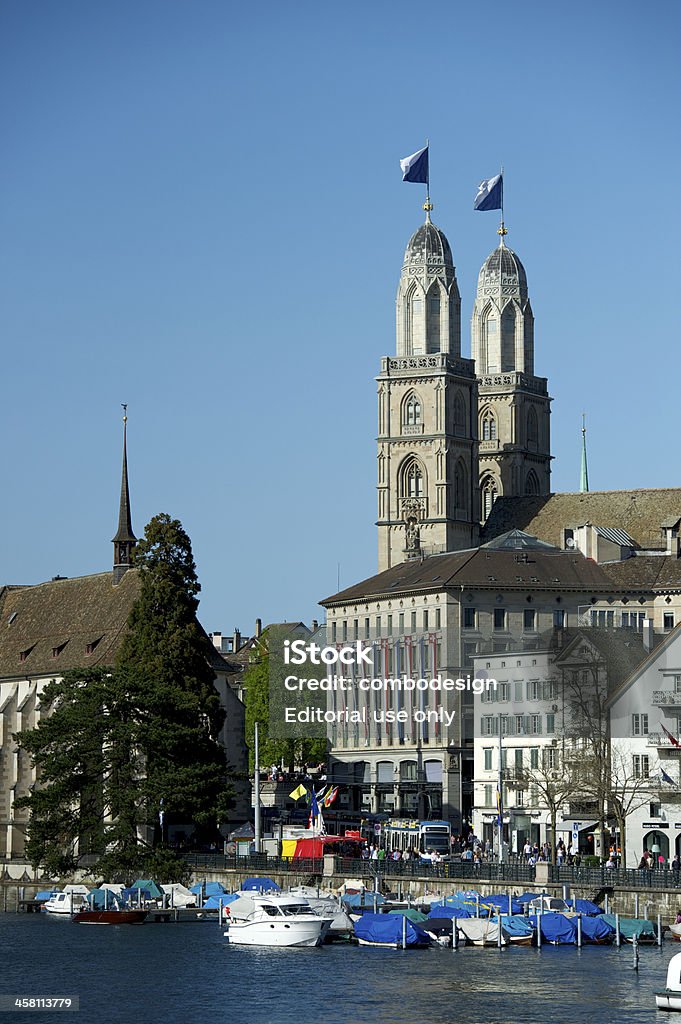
pixel 91 647
pixel 56 651
pixel 23 655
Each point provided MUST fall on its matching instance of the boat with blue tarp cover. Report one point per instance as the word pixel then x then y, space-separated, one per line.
pixel 390 930
pixel 555 928
pixel 449 910
pixel 500 902
pixel 633 928
pixel 596 930
pixel 585 907
pixel 260 885
pixel 360 902
pixel 517 930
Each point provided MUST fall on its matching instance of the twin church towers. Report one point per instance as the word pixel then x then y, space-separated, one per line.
pixel 454 433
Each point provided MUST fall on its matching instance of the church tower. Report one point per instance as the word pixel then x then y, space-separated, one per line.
pixel 514 405
pixel 427 413
pixel 125 539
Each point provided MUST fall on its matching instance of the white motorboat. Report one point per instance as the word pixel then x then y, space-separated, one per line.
pixel 259 919
pixel 68 902
pixel 670 997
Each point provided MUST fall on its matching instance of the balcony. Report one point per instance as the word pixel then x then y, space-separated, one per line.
pixel 666 699
pixel 663 742
pixel 514 776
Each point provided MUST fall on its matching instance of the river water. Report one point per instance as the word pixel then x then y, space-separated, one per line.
pixel 188 974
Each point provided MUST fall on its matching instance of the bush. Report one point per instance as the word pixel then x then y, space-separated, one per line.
pixel 590 861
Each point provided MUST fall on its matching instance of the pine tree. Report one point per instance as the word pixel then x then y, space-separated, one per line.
pixel 121 745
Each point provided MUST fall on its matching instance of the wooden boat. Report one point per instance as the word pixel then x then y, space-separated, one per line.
pixel 109 916
pixel 670 997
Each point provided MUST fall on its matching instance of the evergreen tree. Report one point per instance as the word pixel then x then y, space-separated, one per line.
pixel 120 746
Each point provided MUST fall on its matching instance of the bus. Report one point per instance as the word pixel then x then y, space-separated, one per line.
pixel 423 836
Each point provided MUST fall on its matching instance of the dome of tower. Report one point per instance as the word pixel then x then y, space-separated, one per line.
pixel 502 272
pixel 428 246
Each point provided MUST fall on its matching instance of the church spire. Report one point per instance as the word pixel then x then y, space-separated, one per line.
pixel 124 541
pixel 584 474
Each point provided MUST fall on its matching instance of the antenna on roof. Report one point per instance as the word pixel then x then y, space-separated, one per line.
pixel 584 474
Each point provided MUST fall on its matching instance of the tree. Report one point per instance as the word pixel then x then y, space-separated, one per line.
pixel 122 745
pixel 553 783
pixel 263 683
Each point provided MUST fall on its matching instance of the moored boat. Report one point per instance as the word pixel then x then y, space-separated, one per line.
pixel 273 919
pixel 114 916
pixel 390 930
pixel 66 903
pixel 670 997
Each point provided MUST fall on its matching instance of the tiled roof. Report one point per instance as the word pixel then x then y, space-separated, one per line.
pixel 49 628
pixel 641 513
pixel 645 572
pixel 482 568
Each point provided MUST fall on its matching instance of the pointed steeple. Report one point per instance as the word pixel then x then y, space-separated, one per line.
pixel 584 474
pixel 124 541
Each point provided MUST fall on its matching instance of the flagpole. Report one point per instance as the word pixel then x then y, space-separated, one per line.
pixel 256 814
pixel 502 230
pixel 500 804
pixel 428 206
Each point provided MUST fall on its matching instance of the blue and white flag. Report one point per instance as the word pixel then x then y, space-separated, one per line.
pixel 415 167
pixel 666 778
pixel 490 194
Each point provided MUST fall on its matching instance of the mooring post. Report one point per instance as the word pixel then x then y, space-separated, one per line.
pixel 618 937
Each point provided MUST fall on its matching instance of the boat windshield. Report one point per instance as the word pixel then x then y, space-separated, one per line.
pixel 293 909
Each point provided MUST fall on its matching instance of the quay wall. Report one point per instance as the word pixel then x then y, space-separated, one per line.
pixel 18 881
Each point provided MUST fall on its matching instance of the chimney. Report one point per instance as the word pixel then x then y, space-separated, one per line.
pixel 315 625
pixel 236 640
pixel 258 627
pixel 648 634
pixel 216 637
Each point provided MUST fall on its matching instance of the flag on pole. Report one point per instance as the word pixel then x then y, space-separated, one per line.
pixel 490 194
pixel 673 739
pixel 415 167
pixel 298 792
pixel 500 809
pixel 330 796
pixel 666 778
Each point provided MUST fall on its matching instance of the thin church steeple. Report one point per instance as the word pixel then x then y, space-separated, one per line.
pixel 584 473
pixel 125 539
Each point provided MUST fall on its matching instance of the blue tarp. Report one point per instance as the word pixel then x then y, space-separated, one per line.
pixel 501 901
pixel 213 902
pixel 585 907
pixel 516 927
pixel 632 926
pixel 527 896
pixel 595 929
pixel 134 896
pixel 148 885
pixel 208 888
pixel 449 910
pixel 357 900
pixel 103 899
pixel 556 928
pixel 260 885
pixel 387 928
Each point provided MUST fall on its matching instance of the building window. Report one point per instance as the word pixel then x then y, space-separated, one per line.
pixel 378 625
pixel 412 411
pixel 438 618
pixel 668 621
pixel 413 622
pixel 639 725
pixel 390 625
pixel 518 758
pixel 500 618
pixel 367 628
pixel 425 619
pixel 489 725
pixel 533 689
pixel 654 810
pixel 333 632
pixel 489 492
pixel 529 620
pixel 518 694
pixel 488 759
pixel 550 757
pixel 488 796
pixel 344 629
pixel 641 766
pixel 550 724
pixel 503 692
pixel 559 619
pixel 489 427
pixel 535 725
pixel 401 622
pixel 469 618
pixel 534 757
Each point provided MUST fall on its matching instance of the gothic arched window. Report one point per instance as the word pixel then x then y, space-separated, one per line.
pixel 488 426
pixel 411 411
pixel 532 483
pixel 488 489
pixel 532 428
pixel 459 415
pixel 412 479
pixel 460 489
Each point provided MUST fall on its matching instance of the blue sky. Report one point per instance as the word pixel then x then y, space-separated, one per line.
pixel 202 215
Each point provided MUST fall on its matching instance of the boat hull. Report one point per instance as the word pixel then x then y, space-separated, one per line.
pixel 309 931
pixel 668 1000
pixel 110 917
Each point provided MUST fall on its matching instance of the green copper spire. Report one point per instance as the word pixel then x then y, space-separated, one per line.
pixel 584 475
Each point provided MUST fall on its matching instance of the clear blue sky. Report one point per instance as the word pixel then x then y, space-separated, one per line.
pixel 202 215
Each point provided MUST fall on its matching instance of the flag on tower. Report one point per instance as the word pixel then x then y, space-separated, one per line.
pixel 415 167
pixel 490 194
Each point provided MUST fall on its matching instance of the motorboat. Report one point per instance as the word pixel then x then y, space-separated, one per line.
pixel 670 997
pixel 116 915
pixel 549 905
pixel 274 919
pixel 66 903
pixel 391 931
pixel 482 931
